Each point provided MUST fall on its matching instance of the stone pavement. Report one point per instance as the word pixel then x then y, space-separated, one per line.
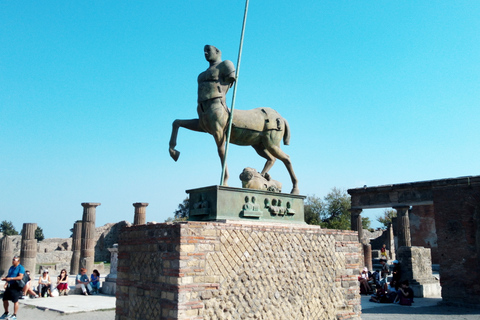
pixel 101 307
pixel 72 307
pixel 423 308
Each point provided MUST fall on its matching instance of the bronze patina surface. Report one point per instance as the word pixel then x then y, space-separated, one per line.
pixel 217 203
pixel 261 128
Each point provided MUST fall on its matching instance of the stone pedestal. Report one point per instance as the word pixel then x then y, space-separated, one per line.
pixel 76 248
pixel 140 213
pixel 219 203
pixel 87 251
pixel 235 270
pixel 6 255
pixel 28 250
pixel 416 267
pixel 110 285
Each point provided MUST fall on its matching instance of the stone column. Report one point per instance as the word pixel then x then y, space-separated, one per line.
pixel 6 255
pixel 110 284
pixel 403 223
pixel 87 251
pixel 367 254
pixel 28 250
pixel 76 247
pixel 391 242
pixel 354 218
pixel 140 213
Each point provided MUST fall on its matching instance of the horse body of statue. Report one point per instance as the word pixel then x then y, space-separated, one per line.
pixel 261 128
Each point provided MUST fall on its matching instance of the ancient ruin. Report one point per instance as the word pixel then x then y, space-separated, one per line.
pixel 28 252
pixel 87 247
pixel 442 216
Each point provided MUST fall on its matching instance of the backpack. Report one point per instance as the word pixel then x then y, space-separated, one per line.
pixel 25 279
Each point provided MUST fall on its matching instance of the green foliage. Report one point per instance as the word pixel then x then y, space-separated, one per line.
pixel 387 217
pixel 7 228
pixel 332 212
pixel 313 210
pixel 366 223
pixel 181 214
pixel 39 234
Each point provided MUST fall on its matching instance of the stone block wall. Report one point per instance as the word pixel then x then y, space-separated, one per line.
pixel 237 270
pixel 457 221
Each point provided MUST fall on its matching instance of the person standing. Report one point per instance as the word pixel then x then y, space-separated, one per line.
pixel 13 291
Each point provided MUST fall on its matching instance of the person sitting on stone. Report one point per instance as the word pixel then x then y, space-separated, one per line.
pixel 45 284
pixel 62 283
pixel 405 294
pixel 391 292
pixel 82 282
pixel 363 279
pixel 27 289
pixel 95 281
pixel 380 295
pixel 383 251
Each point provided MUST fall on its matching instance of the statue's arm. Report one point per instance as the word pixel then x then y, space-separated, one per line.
pixel 228 72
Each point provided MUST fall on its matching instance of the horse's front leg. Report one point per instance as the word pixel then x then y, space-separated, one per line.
pixel 193 124
pixel 220 141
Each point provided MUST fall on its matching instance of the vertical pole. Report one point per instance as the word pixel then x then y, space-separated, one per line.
pixel 229 130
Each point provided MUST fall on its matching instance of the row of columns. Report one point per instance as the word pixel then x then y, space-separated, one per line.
pixel 83 242
pixel 402 230
pixel 28 250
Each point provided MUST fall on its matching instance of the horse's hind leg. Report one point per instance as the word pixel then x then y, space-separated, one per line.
pixel 265 154
pixel 193 124
pixel 282 156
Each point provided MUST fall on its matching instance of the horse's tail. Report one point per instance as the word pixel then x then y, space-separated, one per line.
pixel 286 135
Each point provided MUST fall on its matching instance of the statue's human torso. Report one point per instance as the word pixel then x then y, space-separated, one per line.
pixel 215 81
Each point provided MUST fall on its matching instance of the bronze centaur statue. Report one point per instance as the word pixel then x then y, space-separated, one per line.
pixel 261 128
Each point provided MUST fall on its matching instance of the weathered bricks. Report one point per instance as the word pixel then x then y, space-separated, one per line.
pixel 206 270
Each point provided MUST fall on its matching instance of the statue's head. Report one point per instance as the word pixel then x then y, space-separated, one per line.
pixel 212 54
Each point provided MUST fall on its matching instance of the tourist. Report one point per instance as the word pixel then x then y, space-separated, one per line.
pixel 380 295
pixel 62 283
pixel 95 281
pixel 27 289
pixel 45 285
pixel 405 294
pixel 383 252
pixel 396 273
pixel 385 272
pixel 392 291
pixel 13 291
pixel 363 279
pixel 82 282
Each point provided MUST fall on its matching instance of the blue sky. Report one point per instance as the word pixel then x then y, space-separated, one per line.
pixel 375 92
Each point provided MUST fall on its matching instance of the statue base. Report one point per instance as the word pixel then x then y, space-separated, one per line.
pixel 219 203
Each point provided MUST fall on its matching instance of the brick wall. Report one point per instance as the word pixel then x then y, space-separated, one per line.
pixel 237 270
pixel 457 219
pixel 422 229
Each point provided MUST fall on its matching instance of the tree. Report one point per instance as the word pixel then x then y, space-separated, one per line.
pixel 387 217
pixel 7 228
pixel 182 213
pixel 39 234
pixel 336 214
pixel 313 210
pixel 366 223
pixel 332 212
